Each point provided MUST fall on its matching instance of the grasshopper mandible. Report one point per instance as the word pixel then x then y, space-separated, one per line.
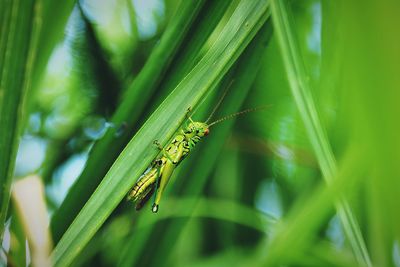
pixel 157 175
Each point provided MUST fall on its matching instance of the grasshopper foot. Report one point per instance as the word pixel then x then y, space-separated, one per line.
pixel 154 208
pixel 188 111
pixel 157 144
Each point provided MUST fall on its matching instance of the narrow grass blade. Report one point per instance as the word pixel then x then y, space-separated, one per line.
pixel 22 54
pixel 188 56
pixel 297 232
pixel 193 207
pixel 301 90
pixel 15 44
pixel 236 35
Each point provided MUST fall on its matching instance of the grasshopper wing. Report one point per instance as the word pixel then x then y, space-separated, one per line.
pixel 145 185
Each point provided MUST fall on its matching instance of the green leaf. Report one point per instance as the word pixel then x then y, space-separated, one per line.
pixel 105 151
pixel 236 35
pixel 297 231
pixel 198 207
pixel 18 248
pixel 203 159
pixel 302 93
pixel 26 41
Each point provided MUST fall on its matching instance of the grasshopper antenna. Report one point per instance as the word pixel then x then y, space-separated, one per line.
pixel 220 101
pixel 238 114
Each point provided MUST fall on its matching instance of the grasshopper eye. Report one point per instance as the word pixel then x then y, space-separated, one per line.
pixel 206 131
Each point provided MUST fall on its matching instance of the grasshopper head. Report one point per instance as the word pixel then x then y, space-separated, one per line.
pixel 198 128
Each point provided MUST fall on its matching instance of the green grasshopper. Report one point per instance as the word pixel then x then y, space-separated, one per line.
pixel 156 177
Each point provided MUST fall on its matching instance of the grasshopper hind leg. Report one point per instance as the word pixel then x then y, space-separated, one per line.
pixel 154 207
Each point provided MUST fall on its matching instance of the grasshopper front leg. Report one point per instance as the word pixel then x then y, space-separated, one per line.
pixel 165 153
pixel 189 110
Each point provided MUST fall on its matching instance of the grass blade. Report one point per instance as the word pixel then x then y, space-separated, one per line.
pixel 301 90
pixel 129 111
pixel 15 44
pixel 21 65
pixel 236 35
pixel 202 160
pixel 299 229
pixel 203 27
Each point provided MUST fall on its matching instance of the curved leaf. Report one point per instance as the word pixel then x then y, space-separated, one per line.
pixel 236 35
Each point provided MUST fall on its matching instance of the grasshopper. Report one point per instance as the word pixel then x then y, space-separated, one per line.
pixel 156 177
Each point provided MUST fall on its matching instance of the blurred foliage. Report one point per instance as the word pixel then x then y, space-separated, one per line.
pixel 250 194
pixel 29 32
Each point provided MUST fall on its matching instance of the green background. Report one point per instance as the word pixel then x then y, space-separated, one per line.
pixel 310 179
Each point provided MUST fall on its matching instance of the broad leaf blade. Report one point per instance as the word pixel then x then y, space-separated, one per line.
pixel 105 151
pixel 238 32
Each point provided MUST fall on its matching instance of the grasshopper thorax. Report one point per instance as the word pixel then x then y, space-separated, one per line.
pixel 199 129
